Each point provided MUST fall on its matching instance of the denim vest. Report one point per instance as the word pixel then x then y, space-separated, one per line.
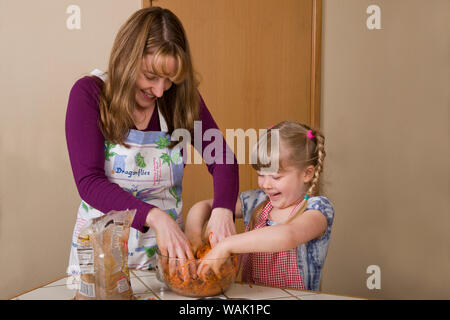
pixel 310 255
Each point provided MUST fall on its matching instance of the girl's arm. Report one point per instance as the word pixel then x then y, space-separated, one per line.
pixel 310 225
pixel 195 219
pixel 307 226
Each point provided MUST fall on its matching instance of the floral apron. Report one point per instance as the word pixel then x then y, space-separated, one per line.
pixel 278 269
pixel 152 173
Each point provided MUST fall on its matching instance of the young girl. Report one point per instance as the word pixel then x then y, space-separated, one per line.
pixel 288 224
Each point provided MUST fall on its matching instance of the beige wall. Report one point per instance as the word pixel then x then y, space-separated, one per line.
pixel 40 61
pixel 385 113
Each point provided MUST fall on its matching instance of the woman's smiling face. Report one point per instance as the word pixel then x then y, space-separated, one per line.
pixel 150 85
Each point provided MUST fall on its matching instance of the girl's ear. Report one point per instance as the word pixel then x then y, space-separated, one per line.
pixel 308 174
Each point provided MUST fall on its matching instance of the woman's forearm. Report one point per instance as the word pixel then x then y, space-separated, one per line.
pixel 224 168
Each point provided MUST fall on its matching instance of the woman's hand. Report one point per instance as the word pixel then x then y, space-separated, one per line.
pixel 220 226
pixel 171 241
pixel 214 259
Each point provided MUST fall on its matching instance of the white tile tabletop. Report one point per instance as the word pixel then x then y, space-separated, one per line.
pixel 254 292
pixel 49 293
pixel 300 293
pixel 146 286
pixel 138 286
pixel 146 296
pixel 321 296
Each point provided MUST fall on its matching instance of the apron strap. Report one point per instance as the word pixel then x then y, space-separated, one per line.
pixel 99 73
pixel 162 121
pixel 102 75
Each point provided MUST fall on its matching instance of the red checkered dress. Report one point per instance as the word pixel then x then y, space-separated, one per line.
pixel 278 269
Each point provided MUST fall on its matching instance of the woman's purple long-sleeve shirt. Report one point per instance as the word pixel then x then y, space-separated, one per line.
pixel 85 144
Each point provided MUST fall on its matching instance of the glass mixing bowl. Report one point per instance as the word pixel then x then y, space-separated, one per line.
pixel 180 276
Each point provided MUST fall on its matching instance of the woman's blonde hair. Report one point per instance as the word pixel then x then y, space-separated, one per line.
pixel 299 151
pixel 159 32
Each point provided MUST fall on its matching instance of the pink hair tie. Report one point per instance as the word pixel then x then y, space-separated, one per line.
pixel 271 127
pixel 310 135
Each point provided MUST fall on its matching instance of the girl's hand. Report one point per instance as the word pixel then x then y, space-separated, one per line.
pixel 195 239
pixel 195 219
pixel 220 225
pixel 213 260
pixel 172 242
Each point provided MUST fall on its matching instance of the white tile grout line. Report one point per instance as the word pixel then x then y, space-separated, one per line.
pixel 288 292
pixel 273 298
pixel 296 297
pixel 50 285
pixel 150 289
pixel 154 293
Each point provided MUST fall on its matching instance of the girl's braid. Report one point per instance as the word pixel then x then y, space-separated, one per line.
pixel 319 154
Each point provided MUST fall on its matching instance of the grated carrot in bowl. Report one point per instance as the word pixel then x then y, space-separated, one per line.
pixel 194 286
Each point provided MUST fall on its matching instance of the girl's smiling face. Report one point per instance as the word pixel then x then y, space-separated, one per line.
pixel 284 188
pixel 288 185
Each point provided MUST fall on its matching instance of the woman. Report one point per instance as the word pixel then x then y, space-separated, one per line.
pixel 118 131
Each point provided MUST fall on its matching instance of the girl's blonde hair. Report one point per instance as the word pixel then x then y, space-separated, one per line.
pixel 298 151
pixel 159 32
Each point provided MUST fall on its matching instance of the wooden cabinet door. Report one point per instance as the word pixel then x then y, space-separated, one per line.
pixel 259 64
